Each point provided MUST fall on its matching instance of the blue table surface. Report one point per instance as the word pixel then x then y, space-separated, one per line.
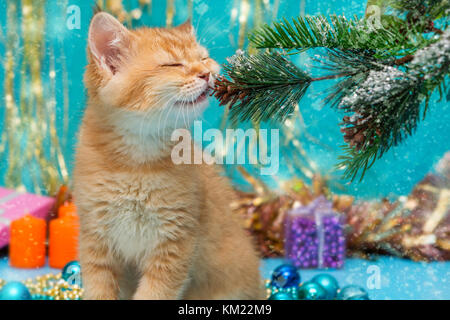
pixel 399 278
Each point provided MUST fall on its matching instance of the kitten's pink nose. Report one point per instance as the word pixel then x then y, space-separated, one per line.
pixel 204 76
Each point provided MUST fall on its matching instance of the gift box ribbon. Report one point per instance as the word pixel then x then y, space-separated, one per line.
pixel 4 200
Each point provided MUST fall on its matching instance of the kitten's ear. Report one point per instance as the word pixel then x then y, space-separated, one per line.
pixel 109 41
pixel 186 27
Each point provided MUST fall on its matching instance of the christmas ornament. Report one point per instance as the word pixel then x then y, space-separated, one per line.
pixel 285 276
pixel 264 211
pixel 329 283
pixel 72 273
pixel 281 295
pixel 320 287
pixel 311 291
pixel 293 291
pixel 15 291
pixel 315 235
pixel 352 292
pixel 53 287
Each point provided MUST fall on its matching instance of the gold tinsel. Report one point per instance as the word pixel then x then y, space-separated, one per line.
pixel 170 12
pixel 30 141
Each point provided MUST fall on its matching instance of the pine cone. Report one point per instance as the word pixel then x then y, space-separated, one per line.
pixel 357 130
pixel 228 92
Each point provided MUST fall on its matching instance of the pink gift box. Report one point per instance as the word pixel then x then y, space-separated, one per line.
pixel 14 205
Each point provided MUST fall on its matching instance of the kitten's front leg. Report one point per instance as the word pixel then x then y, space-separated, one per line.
pixel 166 271
pixel 99 271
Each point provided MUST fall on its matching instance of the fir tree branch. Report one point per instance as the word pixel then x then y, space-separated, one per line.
pixel 337 32
pixel 386 76
pixel 385 107
pixel 381 114
pixel 265 79
pixel 421 9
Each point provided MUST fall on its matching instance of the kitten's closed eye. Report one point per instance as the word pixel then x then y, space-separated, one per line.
pixel 172 65
pixel 177 64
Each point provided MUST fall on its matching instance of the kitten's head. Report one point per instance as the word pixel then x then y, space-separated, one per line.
pixel 158 74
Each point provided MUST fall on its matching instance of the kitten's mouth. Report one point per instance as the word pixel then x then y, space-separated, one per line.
pixel 202 97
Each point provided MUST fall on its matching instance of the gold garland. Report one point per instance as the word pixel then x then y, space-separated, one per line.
pixel 29 136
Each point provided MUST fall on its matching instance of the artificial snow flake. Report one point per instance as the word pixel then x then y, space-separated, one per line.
pixel 378 86
pixel 430 60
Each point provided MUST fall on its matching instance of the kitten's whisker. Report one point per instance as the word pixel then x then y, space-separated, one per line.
pixel 183 108
pixel 160 126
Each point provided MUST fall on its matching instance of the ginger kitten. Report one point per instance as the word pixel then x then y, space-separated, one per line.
pixel 151 229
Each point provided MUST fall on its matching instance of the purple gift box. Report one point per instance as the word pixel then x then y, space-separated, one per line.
pixel 14 205
pixel 315 236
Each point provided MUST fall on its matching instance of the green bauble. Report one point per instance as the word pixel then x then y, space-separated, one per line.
pixel 353 293
pixel 281 296
pixel 15 291
pixel 329 283
pixel 312 291
pixel 294 292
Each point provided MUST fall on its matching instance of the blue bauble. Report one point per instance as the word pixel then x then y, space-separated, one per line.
pixel 353 293
pixel 311 291
pixel 281 295
pixel 329 283
pixel 15 291
pixel 72 273
pixel 285 276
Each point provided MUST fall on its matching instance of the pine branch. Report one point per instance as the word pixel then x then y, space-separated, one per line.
pixel 381 113
pixel 386 75
pixel 265 79
pixel 352 65
pixel 337 32
pixel 385 107
pixel 421 9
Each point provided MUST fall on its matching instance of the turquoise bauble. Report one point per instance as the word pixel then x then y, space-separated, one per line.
pixel 72 273
pixel 285 276
pixel 329 283
pixel 353 293
pixel 311 291
pixel 15 291
pixel 281 296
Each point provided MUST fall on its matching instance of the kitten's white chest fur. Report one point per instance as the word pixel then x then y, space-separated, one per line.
pixel 133 233
pixel 131 224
